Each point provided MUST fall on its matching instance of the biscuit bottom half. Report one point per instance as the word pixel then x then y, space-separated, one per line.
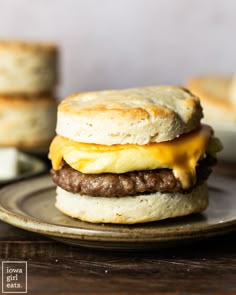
pixel 132 209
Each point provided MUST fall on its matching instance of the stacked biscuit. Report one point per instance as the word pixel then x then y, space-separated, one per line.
pixel 28 76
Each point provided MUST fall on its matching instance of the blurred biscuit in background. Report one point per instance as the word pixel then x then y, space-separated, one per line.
pixel 218 98
pixel 27 67
pixel 28 78
pixel 215 93
pixel 27 122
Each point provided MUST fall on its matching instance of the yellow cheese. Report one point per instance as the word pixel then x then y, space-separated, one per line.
pixel 180 154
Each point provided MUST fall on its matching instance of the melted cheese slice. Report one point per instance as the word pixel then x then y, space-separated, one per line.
pixel 181 155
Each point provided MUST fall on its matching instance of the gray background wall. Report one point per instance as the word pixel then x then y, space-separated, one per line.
pixel 121 43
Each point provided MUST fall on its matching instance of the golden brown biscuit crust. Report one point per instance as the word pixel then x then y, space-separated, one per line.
pixel 123 116
pixel 29 46
pixel 17 101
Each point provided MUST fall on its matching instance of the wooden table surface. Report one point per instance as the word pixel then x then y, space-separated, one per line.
pixel 53 268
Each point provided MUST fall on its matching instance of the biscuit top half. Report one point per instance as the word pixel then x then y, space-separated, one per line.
pixel 130 116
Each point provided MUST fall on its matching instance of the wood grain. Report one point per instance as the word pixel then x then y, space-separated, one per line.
pixel 54 268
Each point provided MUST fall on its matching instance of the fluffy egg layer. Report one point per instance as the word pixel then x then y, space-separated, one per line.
pixel 181 155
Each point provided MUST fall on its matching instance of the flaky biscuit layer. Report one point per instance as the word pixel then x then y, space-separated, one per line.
pixel 134 116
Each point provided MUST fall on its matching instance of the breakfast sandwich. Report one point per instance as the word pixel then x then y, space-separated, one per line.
pixel 132 156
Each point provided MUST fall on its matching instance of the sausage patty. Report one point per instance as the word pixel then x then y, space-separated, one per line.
pixel 125 184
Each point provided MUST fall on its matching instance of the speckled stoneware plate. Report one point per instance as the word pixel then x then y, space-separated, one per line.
pixel 30 205
pixel 29 166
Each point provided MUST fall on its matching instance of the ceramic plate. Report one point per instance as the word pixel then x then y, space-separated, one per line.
pixel 29 166
pixel 30 205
